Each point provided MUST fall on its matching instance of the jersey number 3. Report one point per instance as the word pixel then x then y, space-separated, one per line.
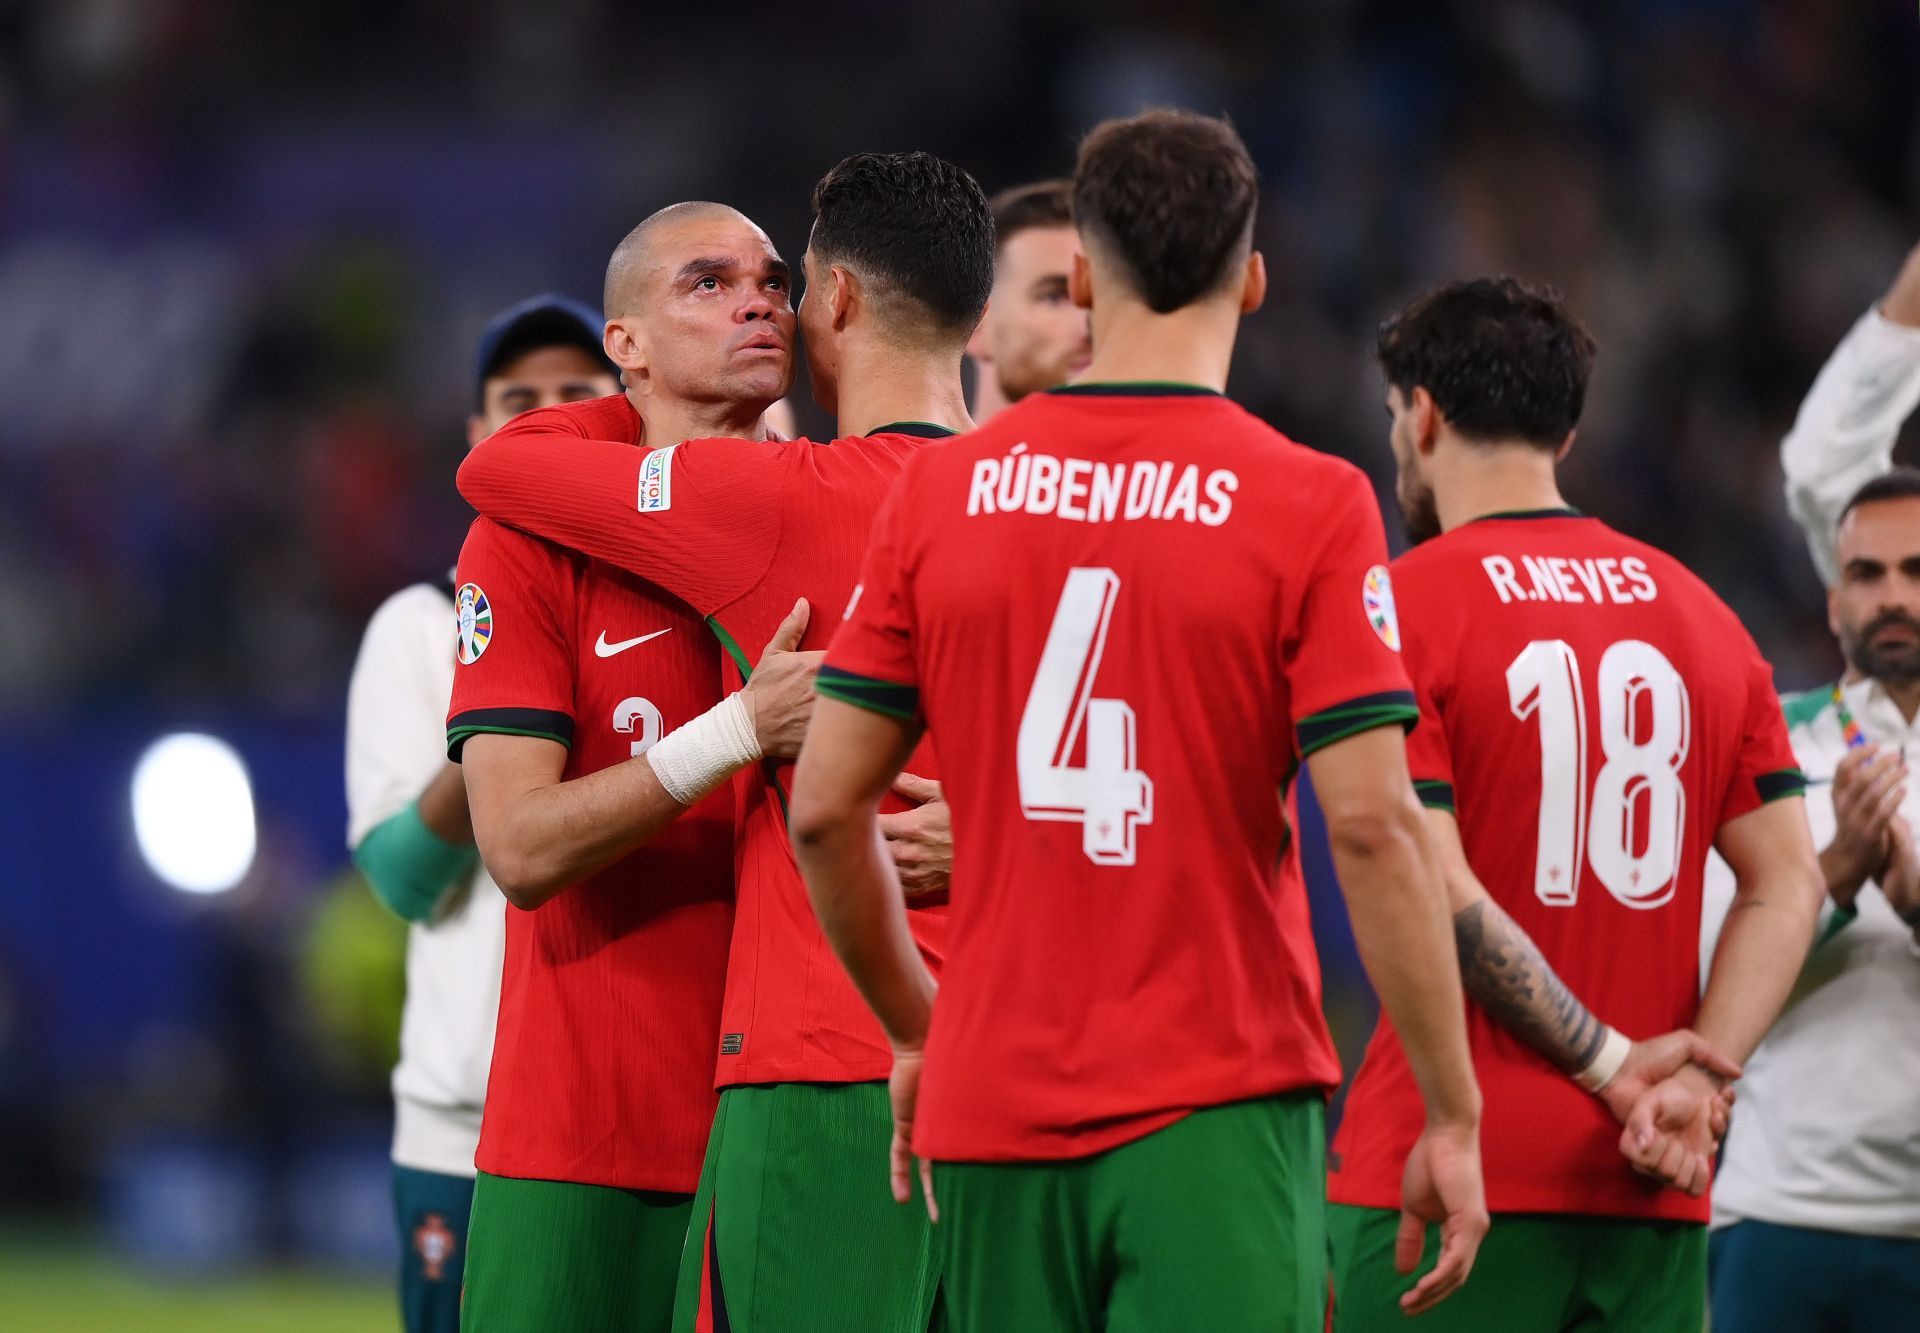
pixel 1109 796
pixel 1633 826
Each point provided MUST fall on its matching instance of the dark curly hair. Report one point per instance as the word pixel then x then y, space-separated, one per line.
pixel 914 225
pixel 1502 359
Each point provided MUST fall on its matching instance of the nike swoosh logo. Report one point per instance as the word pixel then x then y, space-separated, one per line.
pixel 601 648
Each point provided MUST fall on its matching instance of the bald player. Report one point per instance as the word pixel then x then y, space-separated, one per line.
pixel 575 685
pixel 799 1232
pixel 1033 336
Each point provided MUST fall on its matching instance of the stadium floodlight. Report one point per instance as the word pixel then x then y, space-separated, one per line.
pixel 193 812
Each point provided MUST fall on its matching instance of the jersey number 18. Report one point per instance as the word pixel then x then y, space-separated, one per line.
pixel 1633 826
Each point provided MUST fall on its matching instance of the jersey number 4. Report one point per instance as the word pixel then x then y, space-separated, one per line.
pixel 1109 796
pixel 1633 826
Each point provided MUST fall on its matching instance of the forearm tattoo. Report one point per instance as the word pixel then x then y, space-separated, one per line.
pixel 1506 973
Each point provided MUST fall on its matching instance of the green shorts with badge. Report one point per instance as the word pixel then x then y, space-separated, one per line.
pixel 1217 1221
pixel 1535 1273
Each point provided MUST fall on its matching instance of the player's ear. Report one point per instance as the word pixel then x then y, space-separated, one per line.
pixel 477 429
pixel 1566 446
pixel 1423 420
pixel 624 347
pixel 1080 281
pixel 842 298
pixel 1253 285
pixel 1833 610
pixel 977 345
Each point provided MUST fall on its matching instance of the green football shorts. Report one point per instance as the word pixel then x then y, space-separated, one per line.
pixel 1217 1221
pixel 795 1229
pixel 545 1255
pixel 1535 1273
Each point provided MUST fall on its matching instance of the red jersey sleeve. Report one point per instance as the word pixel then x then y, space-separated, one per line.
pixel 1766 769
pixel 514 663
pixel 700 520
pixel 1342 653
pixel 1429 751
pixel 870 661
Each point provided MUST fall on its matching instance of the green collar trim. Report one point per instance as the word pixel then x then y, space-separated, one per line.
pixel 1136 389
pixel 926 430
pixel 1563 511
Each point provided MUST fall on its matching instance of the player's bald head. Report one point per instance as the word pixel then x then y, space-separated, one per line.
pixel 637 249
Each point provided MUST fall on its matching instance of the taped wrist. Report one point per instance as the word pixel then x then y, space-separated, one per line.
pixel 1613 1054
pixel 707 751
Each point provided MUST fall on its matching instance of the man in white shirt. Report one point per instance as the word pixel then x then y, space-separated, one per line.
pixel 1817 1203
pixel 1845 433
pixel 413 841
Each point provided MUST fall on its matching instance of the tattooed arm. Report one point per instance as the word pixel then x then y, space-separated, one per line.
pixel 1506 973
pixel 1508 977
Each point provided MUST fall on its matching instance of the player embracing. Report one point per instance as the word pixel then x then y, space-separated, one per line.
pixel 1125 610
pixel 1593 720
pixel 794 1229
pixel 578 686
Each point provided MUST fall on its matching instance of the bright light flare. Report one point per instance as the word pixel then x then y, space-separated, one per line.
pixel 193 813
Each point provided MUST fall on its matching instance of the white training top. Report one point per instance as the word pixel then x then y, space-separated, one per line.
pixel 1844 435
pixel 1826 1127
pixel 396 744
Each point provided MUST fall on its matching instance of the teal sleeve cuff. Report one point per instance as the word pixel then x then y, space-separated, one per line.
pixel 1841 918
pixel 410 867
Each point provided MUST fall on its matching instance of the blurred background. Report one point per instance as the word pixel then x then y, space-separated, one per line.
pixel 245 250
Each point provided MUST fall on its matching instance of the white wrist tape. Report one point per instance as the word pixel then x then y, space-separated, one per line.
pixel 707 751
pixel 1613 1053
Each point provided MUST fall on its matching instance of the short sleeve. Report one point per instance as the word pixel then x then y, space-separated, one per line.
pixel 700 519
pixel 396 703
pixel 1429 748
pixel 1765 768
pixel 1341 654
pixel 513 658
pixel 870 661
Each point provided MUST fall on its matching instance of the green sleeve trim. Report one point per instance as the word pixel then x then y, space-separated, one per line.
pixel 877 696
pixel 1389 708
pixel 410 867
pixel 1842 918
pixel 732 645
pixel 1780 784
pixel 542 723
pixel 1434 794
pixel 1802 708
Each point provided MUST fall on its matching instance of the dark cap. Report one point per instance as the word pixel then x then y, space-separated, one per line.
pixel 548 320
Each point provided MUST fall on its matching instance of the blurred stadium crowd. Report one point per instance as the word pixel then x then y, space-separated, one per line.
pixel 245 251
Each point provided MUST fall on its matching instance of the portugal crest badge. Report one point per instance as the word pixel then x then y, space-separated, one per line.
pixel 434 1242
pixel 475 621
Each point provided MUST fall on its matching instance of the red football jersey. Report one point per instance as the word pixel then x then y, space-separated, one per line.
pixel 610 994
pixel 739 530
pixel 1592 714
pixel 1125 612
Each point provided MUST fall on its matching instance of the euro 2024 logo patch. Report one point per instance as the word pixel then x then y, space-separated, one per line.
pixel 476 623
pixel 1376 596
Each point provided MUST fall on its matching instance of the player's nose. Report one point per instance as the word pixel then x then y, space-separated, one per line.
pixel 758 305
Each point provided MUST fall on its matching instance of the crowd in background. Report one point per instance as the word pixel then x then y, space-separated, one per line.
pixel 243 252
